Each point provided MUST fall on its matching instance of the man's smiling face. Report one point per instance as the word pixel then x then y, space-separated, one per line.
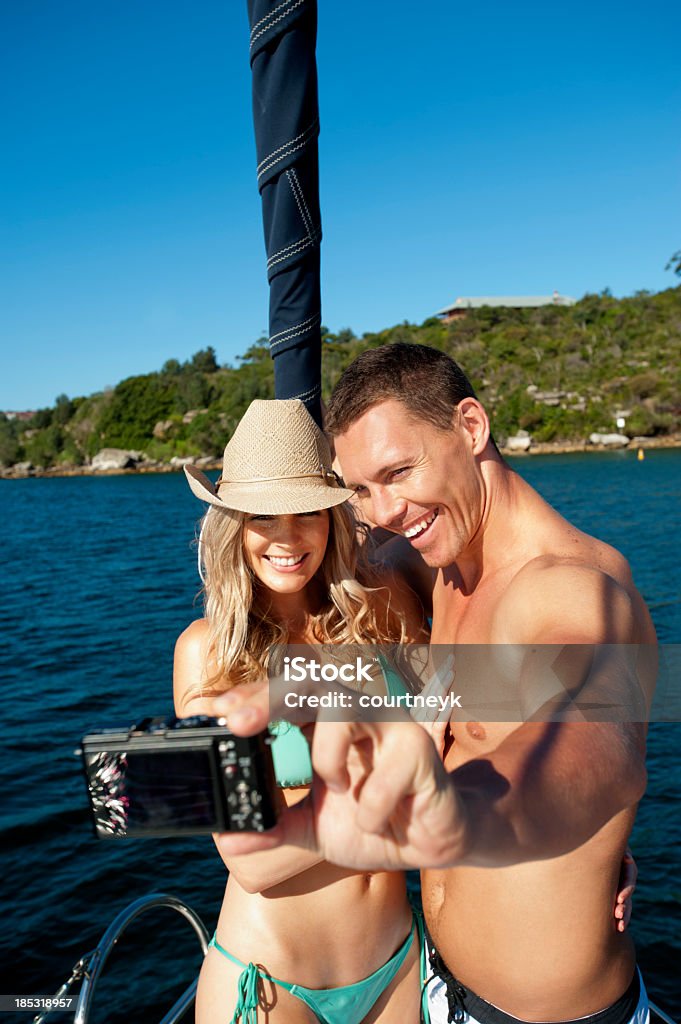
pixel 414 479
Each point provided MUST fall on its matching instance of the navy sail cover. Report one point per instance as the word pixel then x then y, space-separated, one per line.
pixel 286 120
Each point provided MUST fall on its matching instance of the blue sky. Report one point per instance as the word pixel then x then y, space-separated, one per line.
pixel 501 149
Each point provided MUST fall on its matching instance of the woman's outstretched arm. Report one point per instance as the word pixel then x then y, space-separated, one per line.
pixel 254 872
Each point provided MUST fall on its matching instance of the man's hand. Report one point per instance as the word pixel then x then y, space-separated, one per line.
pixel 380 800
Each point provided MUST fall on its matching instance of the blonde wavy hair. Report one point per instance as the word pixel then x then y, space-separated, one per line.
pixel 241 633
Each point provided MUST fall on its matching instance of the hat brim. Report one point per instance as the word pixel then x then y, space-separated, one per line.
pixel 267 497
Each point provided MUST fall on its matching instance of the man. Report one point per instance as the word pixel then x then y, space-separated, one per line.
pixel 547 804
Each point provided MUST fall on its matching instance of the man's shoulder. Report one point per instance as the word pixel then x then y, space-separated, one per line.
pixel 565 598
pixel 586 565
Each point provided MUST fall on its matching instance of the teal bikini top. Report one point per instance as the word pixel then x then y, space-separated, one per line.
pixel 291 754
pixel 290 749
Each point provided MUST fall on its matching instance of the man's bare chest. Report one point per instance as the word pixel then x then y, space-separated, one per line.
pixel 475 616
pixel 460 618
pixel 471 740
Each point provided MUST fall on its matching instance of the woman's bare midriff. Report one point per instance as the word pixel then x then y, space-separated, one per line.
pixel 320 936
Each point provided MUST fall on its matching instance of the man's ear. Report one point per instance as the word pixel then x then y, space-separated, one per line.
pixel 475 422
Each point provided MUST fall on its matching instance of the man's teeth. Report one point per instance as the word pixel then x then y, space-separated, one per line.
pixel 418 528
pixel 276 560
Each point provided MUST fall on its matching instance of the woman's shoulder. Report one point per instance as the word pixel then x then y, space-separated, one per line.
pixel 193 638
pixel 189 670
pixel 195 633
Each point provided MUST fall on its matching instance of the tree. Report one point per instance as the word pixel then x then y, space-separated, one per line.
pixel 193 391
pixel 45 446
pixel 258 352
pixel 205 361
pixel 136 405
pixel 41 419
pixel 675 262
pixel 10 449
pixel 345 336
pixel 63 410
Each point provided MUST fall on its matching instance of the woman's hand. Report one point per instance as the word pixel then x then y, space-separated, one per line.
pixel 438 734
pixel 624 901
pixel 436 722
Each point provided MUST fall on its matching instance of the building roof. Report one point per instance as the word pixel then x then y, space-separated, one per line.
pixel 509 301
pixel 11 415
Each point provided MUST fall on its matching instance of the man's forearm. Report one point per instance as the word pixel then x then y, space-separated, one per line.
pixel 546 789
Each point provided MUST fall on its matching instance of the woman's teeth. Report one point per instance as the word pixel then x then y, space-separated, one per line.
pixel 418 528
pixel 276 560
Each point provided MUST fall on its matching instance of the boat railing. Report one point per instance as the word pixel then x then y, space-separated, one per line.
pixel 655 1011
pixel 88 969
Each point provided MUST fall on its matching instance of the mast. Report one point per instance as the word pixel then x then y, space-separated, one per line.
pixel 286 121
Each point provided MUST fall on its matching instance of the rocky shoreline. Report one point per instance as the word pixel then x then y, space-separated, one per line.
pixel 570 447
pixel 134 463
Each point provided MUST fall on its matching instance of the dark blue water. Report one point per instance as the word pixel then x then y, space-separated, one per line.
pixel 99 579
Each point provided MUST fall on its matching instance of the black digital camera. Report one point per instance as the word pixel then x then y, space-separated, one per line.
pixel 178 776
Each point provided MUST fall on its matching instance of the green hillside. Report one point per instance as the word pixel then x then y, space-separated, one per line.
pixel 557 372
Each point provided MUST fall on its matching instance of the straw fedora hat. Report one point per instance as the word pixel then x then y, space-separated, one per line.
pixel 277 462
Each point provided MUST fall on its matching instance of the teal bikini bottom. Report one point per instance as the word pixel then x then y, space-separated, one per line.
pixel 347 1004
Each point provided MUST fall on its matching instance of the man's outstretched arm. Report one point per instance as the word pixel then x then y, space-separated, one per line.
pixel 382 799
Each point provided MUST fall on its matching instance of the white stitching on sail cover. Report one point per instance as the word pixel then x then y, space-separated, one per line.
pixel 303 323
pixel 288 151
pixel 290 337
pixel 301 245
pixel 287 3
pixel 286 250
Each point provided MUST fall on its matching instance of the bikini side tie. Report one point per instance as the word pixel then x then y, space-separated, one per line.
pixel 246 1009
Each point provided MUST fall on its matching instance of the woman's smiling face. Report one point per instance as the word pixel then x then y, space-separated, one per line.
pixel 286 551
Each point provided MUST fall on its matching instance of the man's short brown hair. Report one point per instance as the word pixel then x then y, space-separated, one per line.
pixel 426 381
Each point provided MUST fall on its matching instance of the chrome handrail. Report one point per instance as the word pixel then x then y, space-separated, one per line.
pixel 182 1005
pixel 90 966
pixel 99 956
pixel 656 1009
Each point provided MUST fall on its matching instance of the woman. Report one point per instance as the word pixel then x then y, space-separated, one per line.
pixel 281 564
